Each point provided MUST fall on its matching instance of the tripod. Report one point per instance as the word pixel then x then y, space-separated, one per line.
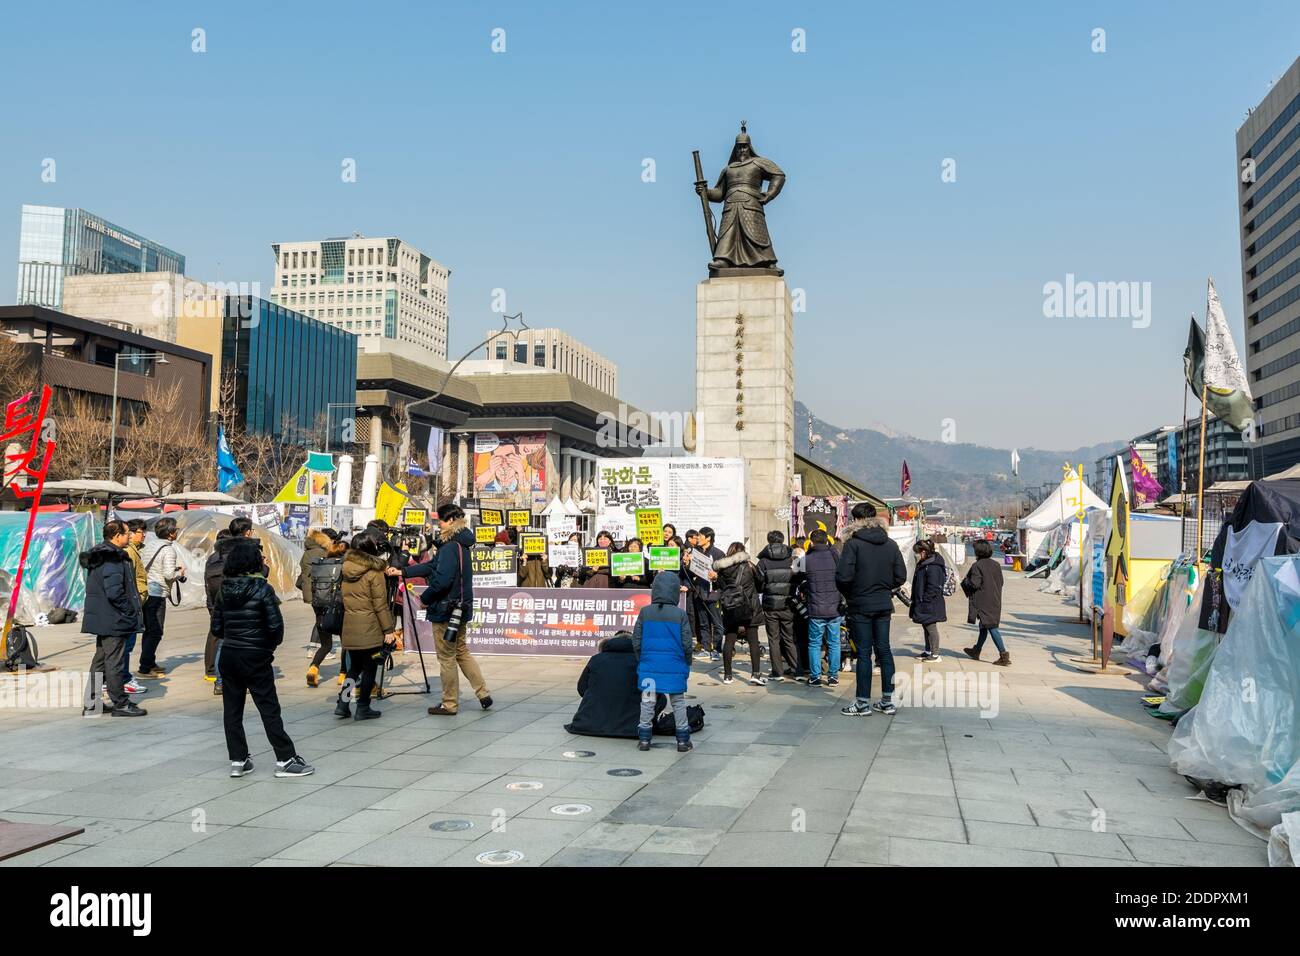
pixel 408 616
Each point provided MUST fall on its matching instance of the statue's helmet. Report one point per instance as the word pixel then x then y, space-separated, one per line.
pixel 742 140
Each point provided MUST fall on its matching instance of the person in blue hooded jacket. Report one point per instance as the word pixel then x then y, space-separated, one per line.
pixel 662 642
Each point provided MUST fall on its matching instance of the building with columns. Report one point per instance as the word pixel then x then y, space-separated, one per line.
pixel 516 440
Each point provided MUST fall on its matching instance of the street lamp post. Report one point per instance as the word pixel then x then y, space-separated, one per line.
pixel 160 359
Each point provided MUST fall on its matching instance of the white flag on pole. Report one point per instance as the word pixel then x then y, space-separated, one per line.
pixel 1015 461
pixel 1225 376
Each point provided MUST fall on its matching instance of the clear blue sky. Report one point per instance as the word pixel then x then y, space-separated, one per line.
pixel 522 171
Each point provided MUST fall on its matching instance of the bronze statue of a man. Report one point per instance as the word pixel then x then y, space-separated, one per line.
pixel 743 241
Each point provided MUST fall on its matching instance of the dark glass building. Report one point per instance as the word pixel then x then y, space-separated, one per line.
pixel 54 242
pixel 288 369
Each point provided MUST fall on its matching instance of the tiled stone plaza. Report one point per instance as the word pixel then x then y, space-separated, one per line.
pixel 1071 772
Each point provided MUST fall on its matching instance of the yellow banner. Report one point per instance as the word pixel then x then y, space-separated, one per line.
pixel 389 501
pixel 295 489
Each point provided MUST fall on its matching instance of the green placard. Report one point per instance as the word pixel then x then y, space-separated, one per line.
pixel 627 564
pixel 664 558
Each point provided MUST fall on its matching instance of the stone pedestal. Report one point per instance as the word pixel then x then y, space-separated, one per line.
pixel 744 389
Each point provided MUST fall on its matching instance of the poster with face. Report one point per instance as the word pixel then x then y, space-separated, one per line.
pixel 512 464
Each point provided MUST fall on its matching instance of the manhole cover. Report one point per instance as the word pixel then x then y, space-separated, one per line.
pixel 524 785
pixel 500 857
pixel 624 772
pixel 570 809
pixel 451 826
pixel 573 754
pixel 723 706
pixel 689 697
pixel 968 735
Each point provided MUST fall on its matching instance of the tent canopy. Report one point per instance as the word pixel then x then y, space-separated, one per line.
pixel 1060 507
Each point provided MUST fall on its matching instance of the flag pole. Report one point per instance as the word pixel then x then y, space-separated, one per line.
pixel 1181 477
pixel 1200 482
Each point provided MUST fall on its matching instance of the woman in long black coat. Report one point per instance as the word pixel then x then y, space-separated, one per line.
pixel 742 611
pixel 983 585
pixel 929 609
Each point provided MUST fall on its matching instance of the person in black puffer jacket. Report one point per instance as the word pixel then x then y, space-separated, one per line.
pixel 870 569
pixel 929 608
pixel 111 614
pixel 611 701
pixel 246 618
pixel 742 613
pixel 778 580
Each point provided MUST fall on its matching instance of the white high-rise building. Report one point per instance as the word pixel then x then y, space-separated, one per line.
pixel 382 290
pixel 557 351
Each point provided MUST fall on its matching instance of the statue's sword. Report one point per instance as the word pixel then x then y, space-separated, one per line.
pixel 704 201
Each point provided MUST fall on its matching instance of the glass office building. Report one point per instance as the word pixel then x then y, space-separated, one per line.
pixel 288 369
pixel 54 242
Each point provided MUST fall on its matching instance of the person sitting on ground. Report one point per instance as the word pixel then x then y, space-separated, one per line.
pixel 611 702
pixel 247 620
pixel 662 642
pixel 983 585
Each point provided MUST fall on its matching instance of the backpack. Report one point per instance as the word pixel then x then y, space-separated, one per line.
pixel 327 592
pixel 214 572
pixel 20 649
pixel 666 723
pixel 949 582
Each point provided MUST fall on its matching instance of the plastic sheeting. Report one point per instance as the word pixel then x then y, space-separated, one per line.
pixel 1284 842
pixel 52 576
pixel 197 534
pixel 1189 656
pixel 1245 730
pixel 1144 614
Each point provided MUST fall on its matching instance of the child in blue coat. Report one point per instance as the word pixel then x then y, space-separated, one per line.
pixel 662 642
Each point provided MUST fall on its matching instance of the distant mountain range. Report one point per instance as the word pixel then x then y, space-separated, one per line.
pixel 975 479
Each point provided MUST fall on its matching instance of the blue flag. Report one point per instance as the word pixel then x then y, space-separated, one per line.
pixel 228 473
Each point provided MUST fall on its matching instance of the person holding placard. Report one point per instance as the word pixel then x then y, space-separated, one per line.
pixel 642 580
pixel 534 572
pixel 597 576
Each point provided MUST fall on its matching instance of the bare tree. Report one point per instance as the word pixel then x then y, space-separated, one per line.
pixel 166 446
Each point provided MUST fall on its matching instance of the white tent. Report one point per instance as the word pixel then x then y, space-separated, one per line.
pixel 1057 509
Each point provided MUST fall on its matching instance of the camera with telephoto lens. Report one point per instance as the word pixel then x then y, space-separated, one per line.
pixel 454 623
pixel 798 606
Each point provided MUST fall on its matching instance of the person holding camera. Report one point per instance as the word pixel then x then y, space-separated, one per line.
pixel 449 600
pixel 368 622
pixel 163 572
